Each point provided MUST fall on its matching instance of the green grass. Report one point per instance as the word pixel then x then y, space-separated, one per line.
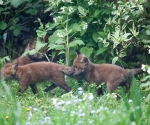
pixel 59 108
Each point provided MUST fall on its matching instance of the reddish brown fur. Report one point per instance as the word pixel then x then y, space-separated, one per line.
pixel 112 75
pixel 30 74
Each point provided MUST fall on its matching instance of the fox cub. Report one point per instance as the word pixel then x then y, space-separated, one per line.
pixel 30 74
pixel 112 75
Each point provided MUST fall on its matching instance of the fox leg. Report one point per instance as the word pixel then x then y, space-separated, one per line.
pixel 100 91
pixel 127 85
pixel 112 87
pixel 50 87
pixel 65 87
pixel 34 88
pixel 23 86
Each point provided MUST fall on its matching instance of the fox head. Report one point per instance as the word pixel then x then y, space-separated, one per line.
pixel 37 56
pixel 9 70
pixel 80 64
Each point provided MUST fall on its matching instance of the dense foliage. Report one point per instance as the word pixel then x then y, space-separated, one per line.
pixel 115 32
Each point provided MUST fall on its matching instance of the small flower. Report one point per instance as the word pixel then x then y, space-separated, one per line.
pixel 55 20
pixel 35 109
pixel 91 97
pixel 80 90
pixel 148 71
pixel 7 117
pixel 59 34
pixel 63 9
pixel 82 115
pixel 38 100
pixel 28 109
pixel 143 67
pixel 85 26
pixel 93 112
pixel 1 2
pixel 130 101
pixel 70 9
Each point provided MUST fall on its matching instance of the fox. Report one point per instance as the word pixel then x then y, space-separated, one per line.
pixel 113 75
pixel 23 60
pixel 30 74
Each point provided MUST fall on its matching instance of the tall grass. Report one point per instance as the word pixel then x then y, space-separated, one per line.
pixel 80 107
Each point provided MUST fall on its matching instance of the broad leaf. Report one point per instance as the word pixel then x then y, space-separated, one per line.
pixel 39 45
pixel 101 50
pixel 87 51
pixel 95 36
pixel 16 32
pixel 114 60
pixel 3 25
pixel 75 42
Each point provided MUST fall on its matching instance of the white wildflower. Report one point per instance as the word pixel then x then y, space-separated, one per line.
pixel 68 102
pixel 35 109
pixel 59 34
pixel 47 120
pixel 130 101
pixel 54 101
pixel 91 97
pixel 73 113
pixel 80 90
pixel 70 9
pixel 85 26
pixel 90 2
pixel 62 8
pixel 149 51
pixel 148 71
pixel 82 115
pixel 143 67
pixel 93 111
pixel 60 103
pixel 1 2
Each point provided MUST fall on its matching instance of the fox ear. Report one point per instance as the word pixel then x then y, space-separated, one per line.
pixel 78 52
pixel 6 61
pixel 15 65
pixel 84 60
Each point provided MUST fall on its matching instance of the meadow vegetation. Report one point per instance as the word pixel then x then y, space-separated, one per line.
pixel 116 32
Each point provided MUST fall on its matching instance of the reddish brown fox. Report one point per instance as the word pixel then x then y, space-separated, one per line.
pixel 112 75
pixel 30 74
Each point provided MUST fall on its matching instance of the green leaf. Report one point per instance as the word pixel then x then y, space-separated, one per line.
pixel 16 3
pixel 101 50
pixel 87 51
pixel 145 84
pixel 114 60
pixel 145 78
pixel 31 11
pixel 82 10
pixel 60 41
pixel 41 33
pixel 76 27
pixel 39 45
pixel 95 37
pixel 3 25
pixel 16 32
pixel 147 98
pixel 56 47
pixel 75 42
pixel 148 32
pixel 31 52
